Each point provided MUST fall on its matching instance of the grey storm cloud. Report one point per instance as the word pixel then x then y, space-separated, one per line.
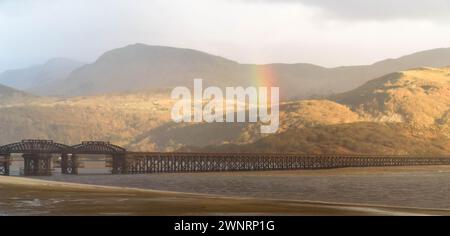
pixel 32 31
pixel 435 10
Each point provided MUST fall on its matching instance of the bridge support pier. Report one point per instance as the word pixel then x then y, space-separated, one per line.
pixel 37 164
pixel 5 162
pixel 69 165
pixel 119 164
pixel 64 163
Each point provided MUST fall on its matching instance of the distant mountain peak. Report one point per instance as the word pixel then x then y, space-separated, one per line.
pixel 144 51
pixel 34 77
pixel 423 58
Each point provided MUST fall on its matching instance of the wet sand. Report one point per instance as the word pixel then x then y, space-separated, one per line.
pixel 24 196
pixel 348 191
pixel 423 186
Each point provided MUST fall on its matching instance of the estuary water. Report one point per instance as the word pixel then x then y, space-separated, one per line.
pixel 423 187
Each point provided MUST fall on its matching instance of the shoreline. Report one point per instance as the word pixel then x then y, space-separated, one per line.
pixel 143 201
pixel 325 208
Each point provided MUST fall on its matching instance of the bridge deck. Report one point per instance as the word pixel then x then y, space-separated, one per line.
pixel 137 163
pixel 37 156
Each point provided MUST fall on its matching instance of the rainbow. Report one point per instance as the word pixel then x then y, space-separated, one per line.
pixel 263 76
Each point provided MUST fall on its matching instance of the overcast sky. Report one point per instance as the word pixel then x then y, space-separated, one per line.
pixel 323 32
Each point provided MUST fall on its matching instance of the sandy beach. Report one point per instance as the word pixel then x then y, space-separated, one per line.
pixel 419 186
pixel 352 191
pixel 24 196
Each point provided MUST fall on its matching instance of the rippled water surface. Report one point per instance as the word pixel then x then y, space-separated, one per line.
pixel 426 187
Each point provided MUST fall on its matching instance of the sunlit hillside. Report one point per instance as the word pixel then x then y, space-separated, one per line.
pixel 400 113
pixel 420 96
pixel 117 117
pixel 404 112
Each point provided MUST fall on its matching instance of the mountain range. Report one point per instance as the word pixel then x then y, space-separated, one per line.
pixel 405 111
pixel 139 66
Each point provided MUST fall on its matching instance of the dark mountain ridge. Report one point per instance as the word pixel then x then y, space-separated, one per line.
pixel 140 66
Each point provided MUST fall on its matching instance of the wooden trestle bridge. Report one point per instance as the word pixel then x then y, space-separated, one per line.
pixel 38 155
